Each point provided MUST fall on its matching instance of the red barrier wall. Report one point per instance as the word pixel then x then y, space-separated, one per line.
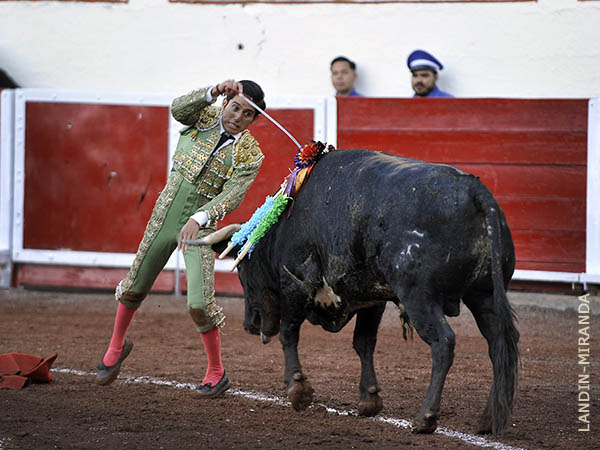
pixel 532 154
pixel 93 172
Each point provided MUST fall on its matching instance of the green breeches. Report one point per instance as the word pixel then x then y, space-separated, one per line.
pixel 176 203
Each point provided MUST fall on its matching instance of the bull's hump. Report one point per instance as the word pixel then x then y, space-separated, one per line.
pixel 365 161
pixel 396 161
pixel 399 164
pixel 385 158
pixel 369 159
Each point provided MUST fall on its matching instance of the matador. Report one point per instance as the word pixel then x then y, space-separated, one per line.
pixel 214 165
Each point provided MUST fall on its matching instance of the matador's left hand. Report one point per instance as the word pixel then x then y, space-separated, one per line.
pixel 188 232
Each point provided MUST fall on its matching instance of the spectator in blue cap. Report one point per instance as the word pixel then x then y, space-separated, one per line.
pixel 424 68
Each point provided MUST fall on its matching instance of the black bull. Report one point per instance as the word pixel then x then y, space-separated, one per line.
pixel 367 228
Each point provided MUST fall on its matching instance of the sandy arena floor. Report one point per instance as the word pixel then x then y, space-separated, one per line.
pixel 151 407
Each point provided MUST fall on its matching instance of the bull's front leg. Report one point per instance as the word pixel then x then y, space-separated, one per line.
pixel 300 391
pixel 365 339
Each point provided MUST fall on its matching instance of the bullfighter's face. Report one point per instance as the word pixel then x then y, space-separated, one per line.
pixel 237 114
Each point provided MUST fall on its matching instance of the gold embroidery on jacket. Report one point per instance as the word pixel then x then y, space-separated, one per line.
pixel 209 118
pixel 247 152
pixel 190 164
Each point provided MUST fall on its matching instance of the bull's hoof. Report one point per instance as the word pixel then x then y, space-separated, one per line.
pixel 426 424
pixel 485 425
pixel 300 392
pixel 484 429
pixel 485 422
pixel 372 404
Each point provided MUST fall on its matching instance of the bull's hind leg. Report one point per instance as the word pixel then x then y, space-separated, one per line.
pixel 485 420
pixel 365 339
pixel 300 391
pixel 498 329
pixel 428 319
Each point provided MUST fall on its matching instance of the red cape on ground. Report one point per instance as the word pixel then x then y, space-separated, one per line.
pixel 19 369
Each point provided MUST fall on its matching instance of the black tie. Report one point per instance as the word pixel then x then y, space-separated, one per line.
pixel 225 136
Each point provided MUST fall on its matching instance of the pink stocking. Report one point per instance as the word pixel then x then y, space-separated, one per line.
pixel 122 321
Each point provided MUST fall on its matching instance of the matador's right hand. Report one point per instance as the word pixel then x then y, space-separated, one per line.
pixel 188 232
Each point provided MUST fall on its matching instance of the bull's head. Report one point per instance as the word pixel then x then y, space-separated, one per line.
pixel 262 307
pixel 263 311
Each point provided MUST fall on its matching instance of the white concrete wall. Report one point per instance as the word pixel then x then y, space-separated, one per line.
pixel 543 49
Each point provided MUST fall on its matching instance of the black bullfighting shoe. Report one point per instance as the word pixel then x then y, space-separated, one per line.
pixel 108 374
pixel 209 391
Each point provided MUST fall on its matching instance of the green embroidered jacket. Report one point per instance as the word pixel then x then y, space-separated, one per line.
pixel 223 178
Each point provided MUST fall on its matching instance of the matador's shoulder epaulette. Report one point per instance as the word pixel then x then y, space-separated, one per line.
pixel 209 118
pixel 247 152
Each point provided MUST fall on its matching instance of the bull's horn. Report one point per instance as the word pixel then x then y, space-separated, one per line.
pixel 218 236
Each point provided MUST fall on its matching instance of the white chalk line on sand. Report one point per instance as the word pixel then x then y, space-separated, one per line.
pixel 477 441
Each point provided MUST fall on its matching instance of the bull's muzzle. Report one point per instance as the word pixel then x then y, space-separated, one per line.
pixel 252 323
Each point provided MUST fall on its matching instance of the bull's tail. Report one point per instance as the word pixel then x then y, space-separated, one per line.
pixel 504 351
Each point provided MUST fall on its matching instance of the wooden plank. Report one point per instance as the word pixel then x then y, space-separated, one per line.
pixel 544 286
pixel 544 213
pixel 578 267
pixel 483 114
pixel 545 246
pixel 226 283
pixel 539 181
pixel 80 277
pixel 450 147
pixel 38 275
